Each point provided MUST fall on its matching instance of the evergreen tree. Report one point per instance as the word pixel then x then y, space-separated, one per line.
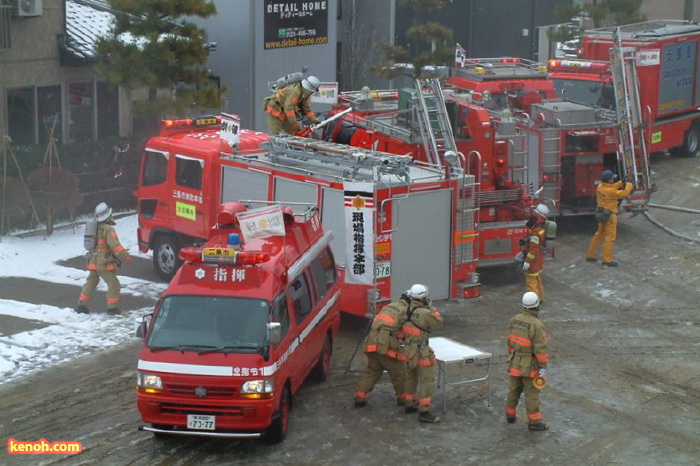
pixel 429 42
pixel 153 47
pixel 602 13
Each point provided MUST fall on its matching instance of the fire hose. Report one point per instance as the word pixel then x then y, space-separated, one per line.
pixel 310 129
pixel 665 228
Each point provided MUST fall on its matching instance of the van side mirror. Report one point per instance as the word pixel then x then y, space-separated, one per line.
pixel 142 327
pixel 274 332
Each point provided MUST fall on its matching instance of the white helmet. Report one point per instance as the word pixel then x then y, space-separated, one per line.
pixel 418 291
pixel 311 83
pixel 542 209
pixel 530 300
pixel 102 212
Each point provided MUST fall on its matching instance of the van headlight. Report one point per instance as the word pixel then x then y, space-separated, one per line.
pixel 148 383
pixel 258 388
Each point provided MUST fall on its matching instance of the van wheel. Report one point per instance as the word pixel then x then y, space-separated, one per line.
pixel 165 257
pixel 277 432
pixel 323 366
pixel 691 142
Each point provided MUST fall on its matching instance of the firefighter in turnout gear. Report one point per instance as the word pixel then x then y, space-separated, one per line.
pixel 422 319
pixel 282 106
pixel 382 346
pixel 608 195
pixel 103 262
pixel 527 359
pixel 532 255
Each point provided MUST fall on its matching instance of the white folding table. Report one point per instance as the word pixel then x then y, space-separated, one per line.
pixel 448 351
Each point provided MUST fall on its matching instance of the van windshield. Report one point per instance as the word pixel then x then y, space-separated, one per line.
pixel 210 324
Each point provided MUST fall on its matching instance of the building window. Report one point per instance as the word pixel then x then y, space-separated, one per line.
pixel 33 111
pixel 20 115
pixel 107 110
pixel 5 14
pixel 49 108
pixel 80 112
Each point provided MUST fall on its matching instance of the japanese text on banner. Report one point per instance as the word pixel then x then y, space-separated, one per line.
pixel 262 222
pixel 359 223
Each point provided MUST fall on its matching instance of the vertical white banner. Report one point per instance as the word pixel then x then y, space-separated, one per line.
pixel 359 225
pixel 230 129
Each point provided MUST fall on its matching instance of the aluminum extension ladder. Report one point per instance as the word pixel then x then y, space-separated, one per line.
pixel 433 122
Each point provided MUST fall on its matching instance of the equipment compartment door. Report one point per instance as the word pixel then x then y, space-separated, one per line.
pixel 421 246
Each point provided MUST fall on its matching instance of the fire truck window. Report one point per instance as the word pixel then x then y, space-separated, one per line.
pixel 323 271
pixel 301 298
pixel 280 313
pixel 188 173
pixel 155 169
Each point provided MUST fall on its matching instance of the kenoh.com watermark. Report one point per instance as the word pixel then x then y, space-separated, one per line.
pixel 43 446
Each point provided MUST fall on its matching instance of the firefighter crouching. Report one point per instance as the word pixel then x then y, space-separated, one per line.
pixel 527 359
pixel 532 255
pixel 382 347
pixel 103 262
pixel 283 105
pixel 422 319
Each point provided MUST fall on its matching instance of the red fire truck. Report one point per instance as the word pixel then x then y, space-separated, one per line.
pixel 396 221
pixel 665 58
pixel 241 325
pixel 514 140
pixel 567 143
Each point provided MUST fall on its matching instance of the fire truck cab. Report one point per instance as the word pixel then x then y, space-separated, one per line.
pixel 242 324
pixel 664 57
pixel 178 186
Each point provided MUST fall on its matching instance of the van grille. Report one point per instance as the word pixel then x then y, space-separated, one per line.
pixel 176 408
pixel 188 391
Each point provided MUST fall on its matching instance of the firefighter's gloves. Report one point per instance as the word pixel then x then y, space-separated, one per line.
pixel 519 257
pixel 526 266
pixel 541 372
pixel 296 126
pixel 314 121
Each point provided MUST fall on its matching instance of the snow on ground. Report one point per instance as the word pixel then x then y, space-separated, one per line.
pixel 69 335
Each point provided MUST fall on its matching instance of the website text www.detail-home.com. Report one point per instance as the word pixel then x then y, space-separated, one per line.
pixel 297 41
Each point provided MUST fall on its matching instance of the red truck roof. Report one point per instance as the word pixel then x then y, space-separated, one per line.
pixel 260 267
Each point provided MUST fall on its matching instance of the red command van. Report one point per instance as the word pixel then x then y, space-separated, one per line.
pixel 246 319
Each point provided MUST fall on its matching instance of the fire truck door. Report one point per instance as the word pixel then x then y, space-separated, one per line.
pixel 187 199
pixel 333 219
pixel 238 184
pixel 532 174
pixel 296 191
pixel 421 245
pixel 152 191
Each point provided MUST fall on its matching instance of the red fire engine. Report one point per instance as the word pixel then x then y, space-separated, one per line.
pixel 567 143
pixel 665 58
pixel 241 325
pixel 396 221
pixel 452 131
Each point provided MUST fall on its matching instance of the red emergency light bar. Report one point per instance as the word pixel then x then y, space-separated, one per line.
pixel 192 123
pixel 510 61
pixel 584 65
pixel 223 255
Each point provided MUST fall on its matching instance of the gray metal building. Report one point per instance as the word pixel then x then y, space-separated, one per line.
pixel 259 41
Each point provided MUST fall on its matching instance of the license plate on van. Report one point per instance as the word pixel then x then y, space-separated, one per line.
pixel 201 422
